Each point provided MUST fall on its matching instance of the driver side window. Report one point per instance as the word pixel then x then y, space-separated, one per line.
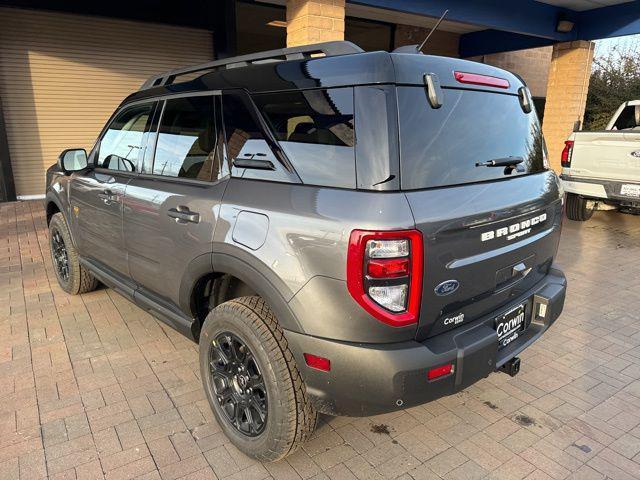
pixel 121 145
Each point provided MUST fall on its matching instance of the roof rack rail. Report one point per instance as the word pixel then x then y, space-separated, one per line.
pixel 293 53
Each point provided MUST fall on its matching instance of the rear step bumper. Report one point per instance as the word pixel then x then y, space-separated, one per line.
pixel 369 379
pixel 598 188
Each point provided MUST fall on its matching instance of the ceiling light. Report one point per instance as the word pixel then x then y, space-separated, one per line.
pixel 565 24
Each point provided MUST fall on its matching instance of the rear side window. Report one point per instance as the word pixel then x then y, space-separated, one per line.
pixel 315 128
pixel 186 145
pixel 441 147
pixel 245 140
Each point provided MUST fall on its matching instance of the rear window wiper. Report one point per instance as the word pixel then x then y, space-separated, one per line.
pixel 501 162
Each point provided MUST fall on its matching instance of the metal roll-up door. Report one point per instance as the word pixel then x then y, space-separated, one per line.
pixel 62 76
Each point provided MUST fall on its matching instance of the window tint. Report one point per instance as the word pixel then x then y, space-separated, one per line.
pixel 316 130
pixel 121 144
pixel 442 147
pixel 629 118
pixel 244 140
pixel 186 142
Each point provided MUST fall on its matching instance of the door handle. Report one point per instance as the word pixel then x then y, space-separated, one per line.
pixel 108 196
pixel 183 215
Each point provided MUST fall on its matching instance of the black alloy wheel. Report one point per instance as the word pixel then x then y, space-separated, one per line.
pixel 60 256
pixel 238 384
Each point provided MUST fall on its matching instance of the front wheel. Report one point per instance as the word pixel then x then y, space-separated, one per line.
pixel 252 381
pixel 72 277
pixel 577 208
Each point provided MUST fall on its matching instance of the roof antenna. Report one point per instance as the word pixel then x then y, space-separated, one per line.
pixel 435 27
pixel 418 48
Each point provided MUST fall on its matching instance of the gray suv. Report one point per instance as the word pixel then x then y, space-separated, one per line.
pixel 342 232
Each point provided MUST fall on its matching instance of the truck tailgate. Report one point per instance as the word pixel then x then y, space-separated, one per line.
pixel 607 155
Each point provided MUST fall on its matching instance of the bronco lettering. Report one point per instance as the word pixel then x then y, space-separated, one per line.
pixel 514 230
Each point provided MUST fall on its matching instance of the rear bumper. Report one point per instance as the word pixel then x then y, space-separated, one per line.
pixel 597 188
pixel 369 379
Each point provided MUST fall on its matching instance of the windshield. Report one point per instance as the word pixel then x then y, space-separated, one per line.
pixel 441 147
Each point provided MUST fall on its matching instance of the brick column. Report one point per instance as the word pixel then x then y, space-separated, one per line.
pixel 567 89
pixel 314 21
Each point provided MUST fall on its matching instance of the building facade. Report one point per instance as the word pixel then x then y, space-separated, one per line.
pixel 66 65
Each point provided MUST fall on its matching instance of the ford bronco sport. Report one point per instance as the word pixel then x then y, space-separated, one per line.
pixel 342 232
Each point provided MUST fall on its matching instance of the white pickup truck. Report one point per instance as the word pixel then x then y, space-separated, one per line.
pixel 601 170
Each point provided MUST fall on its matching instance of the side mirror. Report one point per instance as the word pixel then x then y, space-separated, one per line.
pixel 72 160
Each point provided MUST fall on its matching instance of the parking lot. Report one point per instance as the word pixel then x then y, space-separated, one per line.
pixel 93 387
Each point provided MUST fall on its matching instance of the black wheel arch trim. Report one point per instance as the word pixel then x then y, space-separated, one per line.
pixel 198 267
pixel 52 198
pixel 225 263
pixel 233 264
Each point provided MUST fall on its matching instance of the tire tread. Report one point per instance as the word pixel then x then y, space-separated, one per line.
pixel 263 321
pixel 85 281
pixel 577 208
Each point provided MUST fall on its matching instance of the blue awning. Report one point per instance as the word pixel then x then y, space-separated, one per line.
pixel 501 25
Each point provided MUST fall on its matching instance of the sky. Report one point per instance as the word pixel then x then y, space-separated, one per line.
pixel 624 43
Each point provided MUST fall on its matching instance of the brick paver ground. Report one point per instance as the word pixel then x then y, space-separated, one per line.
pixel 93 387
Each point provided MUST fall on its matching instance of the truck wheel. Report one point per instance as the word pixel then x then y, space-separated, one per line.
pixel 252 381
pixel 577 208
pixel 72 277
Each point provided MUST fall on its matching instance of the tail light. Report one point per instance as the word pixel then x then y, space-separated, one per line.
pixel 384 274
pixel 565 159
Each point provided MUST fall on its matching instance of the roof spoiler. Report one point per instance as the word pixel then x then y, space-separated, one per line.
pixel 326 49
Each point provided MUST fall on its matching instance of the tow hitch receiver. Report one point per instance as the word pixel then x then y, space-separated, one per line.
pixel 512 367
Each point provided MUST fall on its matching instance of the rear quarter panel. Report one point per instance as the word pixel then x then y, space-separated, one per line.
pixel 304 251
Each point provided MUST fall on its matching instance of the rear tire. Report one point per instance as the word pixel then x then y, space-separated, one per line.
pixel 577 209
pixel 72 277
pixel 232 331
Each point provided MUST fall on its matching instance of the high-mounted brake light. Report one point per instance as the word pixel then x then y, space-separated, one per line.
pixel 477 79
pixel 384 274
pixel 567 152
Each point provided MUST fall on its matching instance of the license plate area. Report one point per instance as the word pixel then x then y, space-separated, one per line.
pixel 509 325
pixel 630 190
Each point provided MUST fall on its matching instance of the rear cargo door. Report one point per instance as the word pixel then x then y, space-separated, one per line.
pixel 490 233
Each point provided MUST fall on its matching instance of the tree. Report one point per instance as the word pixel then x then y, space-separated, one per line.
pixel 615 78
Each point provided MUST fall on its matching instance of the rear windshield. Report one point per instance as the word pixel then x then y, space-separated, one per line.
pixel 441 147
pixel 629 118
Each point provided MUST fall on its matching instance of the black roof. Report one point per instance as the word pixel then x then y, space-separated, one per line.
pixel 335 71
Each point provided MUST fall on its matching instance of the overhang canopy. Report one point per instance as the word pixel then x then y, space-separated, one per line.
pixel 496 25
pixel 485 26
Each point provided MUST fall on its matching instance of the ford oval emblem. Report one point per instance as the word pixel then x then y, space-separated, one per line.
pixel 446 288
pixel 635 154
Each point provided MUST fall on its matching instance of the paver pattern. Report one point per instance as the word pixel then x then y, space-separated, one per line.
pixel 93 387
